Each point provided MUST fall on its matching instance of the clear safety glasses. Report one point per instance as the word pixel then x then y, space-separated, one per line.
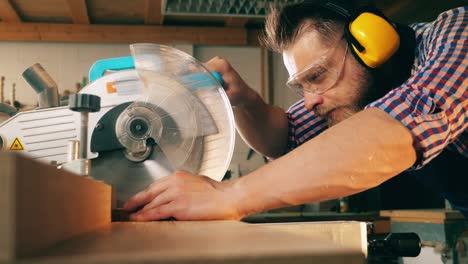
pixel 320 76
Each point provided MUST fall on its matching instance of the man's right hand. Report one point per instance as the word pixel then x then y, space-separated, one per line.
pixel 264 127
pixel 236 89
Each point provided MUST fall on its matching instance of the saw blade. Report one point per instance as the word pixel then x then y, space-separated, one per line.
pixel 128 177
pixel 181 120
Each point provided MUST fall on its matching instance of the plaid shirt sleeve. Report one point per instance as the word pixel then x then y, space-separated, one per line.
pixel 303 125
pixel 433 103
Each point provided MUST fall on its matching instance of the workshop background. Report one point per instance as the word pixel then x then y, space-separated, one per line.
pixel 67 36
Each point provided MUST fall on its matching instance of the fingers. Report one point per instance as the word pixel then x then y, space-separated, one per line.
pixel 144 197
pixel 163 198
pixel 157 213
pixel 218 64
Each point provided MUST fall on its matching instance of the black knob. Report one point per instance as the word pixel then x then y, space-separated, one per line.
pixel 394 245
pixel 84 102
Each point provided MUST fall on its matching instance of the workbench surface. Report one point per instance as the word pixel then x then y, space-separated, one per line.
pixel 51 216
pixel 202 242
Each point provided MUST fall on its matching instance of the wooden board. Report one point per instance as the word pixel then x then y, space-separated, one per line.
pixel 209 242
pixel 122 34
pixel 7 12
pixel 425 215
pixel 53 11
pixel 348 234
pixel 51 216
pixel 41 205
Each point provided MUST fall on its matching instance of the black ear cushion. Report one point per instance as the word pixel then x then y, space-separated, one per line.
pixel 356 56
pixel 352 40
pixel 353 43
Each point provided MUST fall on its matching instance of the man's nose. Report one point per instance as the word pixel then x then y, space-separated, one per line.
pixel 311 100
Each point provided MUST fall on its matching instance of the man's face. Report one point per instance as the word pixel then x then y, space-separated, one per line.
pixel 332 82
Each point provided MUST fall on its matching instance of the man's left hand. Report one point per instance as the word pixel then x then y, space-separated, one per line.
pixel 184 196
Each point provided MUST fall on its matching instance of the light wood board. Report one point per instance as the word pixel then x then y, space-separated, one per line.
pixel 424 215
pixel 51 216
pixel 41 205
pixel 209 242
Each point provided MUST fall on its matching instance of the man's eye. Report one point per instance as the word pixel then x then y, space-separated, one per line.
pixel 316 75
pixel 296 86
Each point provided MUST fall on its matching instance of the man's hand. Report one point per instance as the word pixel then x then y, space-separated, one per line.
pixel 184 196
pixel 237 90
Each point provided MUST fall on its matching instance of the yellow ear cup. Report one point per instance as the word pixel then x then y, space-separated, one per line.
pixel 377 36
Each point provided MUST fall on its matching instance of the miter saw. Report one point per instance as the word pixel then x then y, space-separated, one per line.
pixel 157 111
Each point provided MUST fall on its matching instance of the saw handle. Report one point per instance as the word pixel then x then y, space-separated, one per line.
pixel 114 64
pixel 100 67
pixel 218 77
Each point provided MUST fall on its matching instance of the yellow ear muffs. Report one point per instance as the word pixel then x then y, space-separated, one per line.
pixel 378 39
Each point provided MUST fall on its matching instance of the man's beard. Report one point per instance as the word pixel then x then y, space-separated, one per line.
pixel 336 114
pixel 365 94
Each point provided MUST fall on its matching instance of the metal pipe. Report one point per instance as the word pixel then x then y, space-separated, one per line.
pixel 43 84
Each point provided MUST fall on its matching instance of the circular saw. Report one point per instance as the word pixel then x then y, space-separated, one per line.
pixel 180 120
pixel 160 110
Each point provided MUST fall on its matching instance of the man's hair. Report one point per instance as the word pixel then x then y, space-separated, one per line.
pixel 283 26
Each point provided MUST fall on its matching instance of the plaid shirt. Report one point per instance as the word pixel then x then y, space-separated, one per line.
pixel 432 103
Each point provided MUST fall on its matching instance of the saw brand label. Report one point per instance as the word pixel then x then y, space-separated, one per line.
pixel 124 87
pixel 16 145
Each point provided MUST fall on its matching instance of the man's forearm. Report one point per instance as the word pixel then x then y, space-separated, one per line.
pixel 357 154
pixel 262 126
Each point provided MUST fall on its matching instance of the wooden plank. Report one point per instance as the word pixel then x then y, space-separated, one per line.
pixel 417 220
pixel 424 215
pixel 50 11
pixel 236 21
pixel 42 205
pixel 154 13
pixel 117 12
pixel 78 11
pixel 210 242
pixel 7 207
pixel 350 234
pixel 7 12
pixel 122 34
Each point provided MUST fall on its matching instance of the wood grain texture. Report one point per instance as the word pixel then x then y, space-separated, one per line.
pixel 121 12
pixel 52 216
pixel 206 242
pixel 122 34
pixel 7 12
pixel 425 215
pixel 7 205
pixel 236 21
pixel 51 11
pixel 41 205
pixel 78 11
pixel 154 14
pixel 349 234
